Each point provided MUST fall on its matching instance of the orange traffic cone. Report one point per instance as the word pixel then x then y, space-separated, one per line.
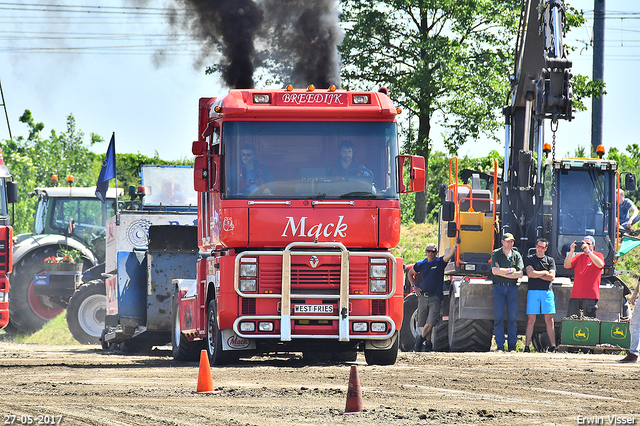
pixel 354 394
pixel 205 382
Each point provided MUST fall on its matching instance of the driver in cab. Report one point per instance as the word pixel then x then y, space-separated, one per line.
pixel 252 173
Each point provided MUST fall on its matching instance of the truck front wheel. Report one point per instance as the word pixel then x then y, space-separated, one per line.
pixel 86 312
pixel 409 329
pixel 214 339
pixel 385 356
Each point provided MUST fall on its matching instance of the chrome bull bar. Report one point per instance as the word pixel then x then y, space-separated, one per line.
pixel 343 318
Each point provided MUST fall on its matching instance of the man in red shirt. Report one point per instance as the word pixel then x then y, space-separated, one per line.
pixel 586 283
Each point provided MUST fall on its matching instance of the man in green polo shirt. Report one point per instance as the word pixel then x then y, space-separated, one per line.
pixel 507 268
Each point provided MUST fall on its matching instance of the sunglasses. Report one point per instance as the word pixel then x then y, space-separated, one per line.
pixel 244 155
pixel 430 251
pixel 541 247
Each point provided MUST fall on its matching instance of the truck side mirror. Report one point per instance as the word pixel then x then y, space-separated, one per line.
pixel 201 174
pixel 417 173
pixel 630 182
pixel 12 192
pixel 199 148
pixel 448 211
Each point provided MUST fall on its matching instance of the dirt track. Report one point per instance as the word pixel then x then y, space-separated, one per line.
pixel 86 387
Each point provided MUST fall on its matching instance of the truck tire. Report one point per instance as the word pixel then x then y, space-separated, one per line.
pixel 28 312
pixel 182 348
pixel 214 340
pixel 409 328
pixel 385 356
pixel 86 312
pixel 440 336
pixel 468 335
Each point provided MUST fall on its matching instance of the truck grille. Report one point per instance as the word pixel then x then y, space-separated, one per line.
pixel 248 306
pixel 303 276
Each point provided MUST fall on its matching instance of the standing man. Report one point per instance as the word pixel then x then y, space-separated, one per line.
pixel 634 330
pixel 586 282
pixel 541 270
pixel 507 268
pixel 429 290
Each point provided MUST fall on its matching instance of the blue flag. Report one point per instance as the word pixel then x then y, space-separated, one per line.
pixel 108 170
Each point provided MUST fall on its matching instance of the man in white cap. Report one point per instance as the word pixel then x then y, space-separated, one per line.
pixel 507 268
pixel 587 268
pixel 429 291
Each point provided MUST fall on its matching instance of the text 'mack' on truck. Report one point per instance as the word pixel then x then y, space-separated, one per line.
pixel 8 195
pixel 537 195
pixel 298 209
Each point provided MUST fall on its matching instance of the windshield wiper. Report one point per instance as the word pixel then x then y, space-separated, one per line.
pixel 361 194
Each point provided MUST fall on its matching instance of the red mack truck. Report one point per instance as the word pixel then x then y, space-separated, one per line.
pixel 298 209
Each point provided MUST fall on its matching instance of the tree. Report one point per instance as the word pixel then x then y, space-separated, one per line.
pixel 34 159
pixel 445 61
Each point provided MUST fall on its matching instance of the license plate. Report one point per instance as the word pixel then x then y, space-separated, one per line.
pixel 313 309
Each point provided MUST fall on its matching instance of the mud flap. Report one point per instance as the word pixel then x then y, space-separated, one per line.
pixel 232 342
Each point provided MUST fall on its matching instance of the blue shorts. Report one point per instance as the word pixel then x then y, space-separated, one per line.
pixel 540 302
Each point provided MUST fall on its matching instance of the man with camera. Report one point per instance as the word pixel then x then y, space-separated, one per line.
pixel 586 283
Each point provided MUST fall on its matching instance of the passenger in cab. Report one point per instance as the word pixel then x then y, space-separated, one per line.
pixel 345 166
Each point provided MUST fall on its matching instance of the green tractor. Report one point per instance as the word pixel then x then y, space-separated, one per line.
pixel 68 220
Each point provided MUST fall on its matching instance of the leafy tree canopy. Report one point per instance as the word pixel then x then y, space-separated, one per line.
pixel 34 159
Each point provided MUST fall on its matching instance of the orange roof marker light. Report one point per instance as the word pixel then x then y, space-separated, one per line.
pixel 332 88
pixel 311 88
pixel 398 110
pixel 54 179
pixel 289 88
pixel 600 151
pixel 546 148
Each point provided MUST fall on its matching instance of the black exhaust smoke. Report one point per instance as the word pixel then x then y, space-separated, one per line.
pixel 228 27
pixel 306 33
pixel 300 35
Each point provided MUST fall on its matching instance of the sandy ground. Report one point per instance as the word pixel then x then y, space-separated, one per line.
pixel 82 386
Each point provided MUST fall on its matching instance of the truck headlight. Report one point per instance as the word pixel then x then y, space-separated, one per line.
pixel 248 270
pixel 378 286
pixel 248 327
pixel 359 327
pixel 378 271
pixel 248 285
pixel 378 327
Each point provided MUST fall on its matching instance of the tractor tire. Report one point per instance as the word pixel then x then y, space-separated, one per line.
pixel 468 335
pixel 182 348
pixel 409 329
pixel 28 313
pixel 214 340
pixel 86 312
pixel 440 336
pixel 383 357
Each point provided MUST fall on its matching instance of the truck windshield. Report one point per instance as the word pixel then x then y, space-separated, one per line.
pixel 319 160
pixel 168 186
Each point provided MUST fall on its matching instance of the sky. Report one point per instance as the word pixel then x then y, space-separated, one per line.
pixel 121 68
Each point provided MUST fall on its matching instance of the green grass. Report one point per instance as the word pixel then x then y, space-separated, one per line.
pixel 55 332
pixel 413 239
